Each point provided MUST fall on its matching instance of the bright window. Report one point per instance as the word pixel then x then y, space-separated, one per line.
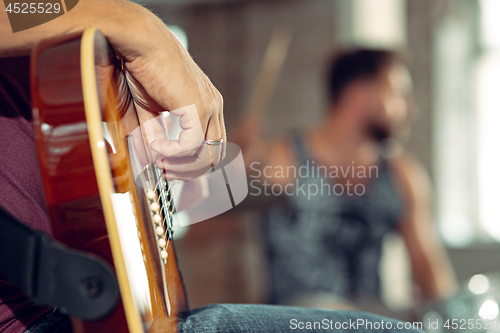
pixel 467 129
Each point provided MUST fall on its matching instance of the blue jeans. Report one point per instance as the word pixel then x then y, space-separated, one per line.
pixel 249 318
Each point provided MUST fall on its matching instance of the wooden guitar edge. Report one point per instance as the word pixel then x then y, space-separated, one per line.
pixel 103 174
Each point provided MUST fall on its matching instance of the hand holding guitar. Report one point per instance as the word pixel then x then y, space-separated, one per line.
pixel 160 72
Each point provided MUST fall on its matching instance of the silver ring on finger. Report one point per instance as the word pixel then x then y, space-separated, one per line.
pixel 213 142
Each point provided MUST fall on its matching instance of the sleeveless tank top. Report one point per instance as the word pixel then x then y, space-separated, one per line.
pixel 330 243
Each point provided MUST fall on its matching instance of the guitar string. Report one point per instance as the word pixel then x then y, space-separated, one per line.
pixel 157 188
pixel 166 203
pixel 161 185
pixel 166 214
pixel 164 185
pixel 166 208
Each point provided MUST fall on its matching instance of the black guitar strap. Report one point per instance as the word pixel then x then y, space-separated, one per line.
pixel 78 283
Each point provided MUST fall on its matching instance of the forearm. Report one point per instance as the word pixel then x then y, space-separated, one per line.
pixel 434 274
pixel 116 18
pixel 432 269
pixel 160 72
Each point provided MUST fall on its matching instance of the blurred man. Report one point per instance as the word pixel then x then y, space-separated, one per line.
pixel 345 188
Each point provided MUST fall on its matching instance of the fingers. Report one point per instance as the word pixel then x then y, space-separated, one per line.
pixel 188 156
pixel 203 160
pixel 165 78
pixel 190 138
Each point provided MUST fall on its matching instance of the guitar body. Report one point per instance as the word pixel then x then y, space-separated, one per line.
pixel 84 116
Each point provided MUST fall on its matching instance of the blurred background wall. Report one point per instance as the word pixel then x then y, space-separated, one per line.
pixel 444 38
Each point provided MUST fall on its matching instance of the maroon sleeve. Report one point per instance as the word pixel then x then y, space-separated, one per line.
pixel 21 192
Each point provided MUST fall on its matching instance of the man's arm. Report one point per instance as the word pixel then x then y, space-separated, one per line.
pixel 161 73
pixel 108 15
pixel 431 268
